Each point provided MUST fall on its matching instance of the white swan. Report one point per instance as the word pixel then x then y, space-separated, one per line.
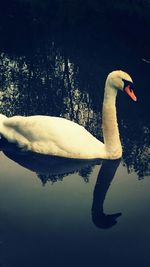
pixel 64 138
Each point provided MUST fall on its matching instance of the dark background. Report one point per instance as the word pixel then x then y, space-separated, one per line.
pixel 98 36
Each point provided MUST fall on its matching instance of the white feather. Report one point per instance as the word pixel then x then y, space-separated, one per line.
pixel 61 137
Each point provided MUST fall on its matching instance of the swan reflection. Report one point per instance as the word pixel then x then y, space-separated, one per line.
pixel 51 168
pixel 104 179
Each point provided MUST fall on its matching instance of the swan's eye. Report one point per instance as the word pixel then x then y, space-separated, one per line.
pixel 128 84
pixel 128 88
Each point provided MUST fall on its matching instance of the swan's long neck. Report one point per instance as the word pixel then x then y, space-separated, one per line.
pixel 110 125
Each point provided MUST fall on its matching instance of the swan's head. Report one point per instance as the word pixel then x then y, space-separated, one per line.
pixel 121 80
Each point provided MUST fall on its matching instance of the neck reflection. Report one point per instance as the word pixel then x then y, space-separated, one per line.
pixel 104 179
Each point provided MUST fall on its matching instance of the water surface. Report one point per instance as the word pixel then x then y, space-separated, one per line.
pixel 52 224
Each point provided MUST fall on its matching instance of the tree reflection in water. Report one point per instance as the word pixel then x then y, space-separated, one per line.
pixel 49 168
pixel 48 82
pixel 56 168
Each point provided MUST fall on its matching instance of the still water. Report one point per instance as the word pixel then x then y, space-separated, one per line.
pixel 64 213
pixel 52 225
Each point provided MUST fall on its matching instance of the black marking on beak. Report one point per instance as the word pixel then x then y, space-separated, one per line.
pixel 128 83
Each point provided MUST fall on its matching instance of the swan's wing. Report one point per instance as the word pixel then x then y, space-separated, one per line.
pixel 52 135
pixel 24 130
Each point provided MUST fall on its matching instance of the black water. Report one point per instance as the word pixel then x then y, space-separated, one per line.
pixel 56 212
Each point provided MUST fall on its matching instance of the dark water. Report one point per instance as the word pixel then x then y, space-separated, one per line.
pixel 75 213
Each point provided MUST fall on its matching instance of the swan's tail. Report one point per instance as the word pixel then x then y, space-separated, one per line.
pixel 2 118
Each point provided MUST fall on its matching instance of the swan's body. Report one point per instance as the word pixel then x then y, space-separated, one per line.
pixel 61 137
pixel 51 135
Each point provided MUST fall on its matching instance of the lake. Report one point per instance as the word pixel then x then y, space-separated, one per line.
pixel 57 212
pixel 50 223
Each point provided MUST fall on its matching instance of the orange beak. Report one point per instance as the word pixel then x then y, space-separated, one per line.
pixel 130 92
